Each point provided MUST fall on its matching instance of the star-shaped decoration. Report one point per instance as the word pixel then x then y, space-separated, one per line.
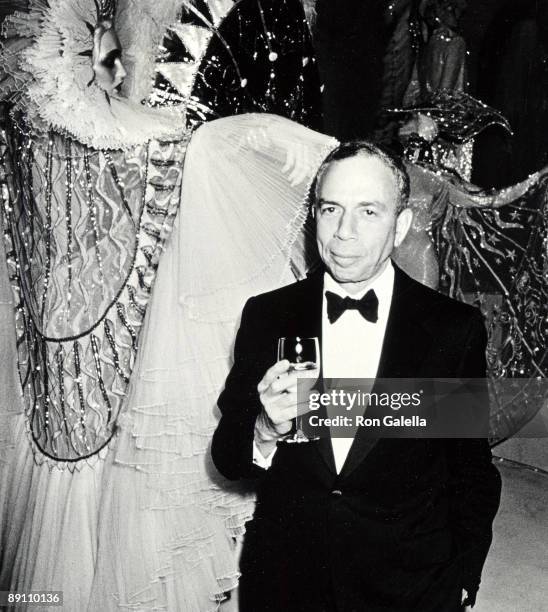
pixel 511 254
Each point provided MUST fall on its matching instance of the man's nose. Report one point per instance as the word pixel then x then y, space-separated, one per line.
pixel 346 229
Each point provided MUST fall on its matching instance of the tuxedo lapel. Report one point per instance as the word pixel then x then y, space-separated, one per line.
pixel 307 320
pixel 406 342
pixel 303 316
pixel 323 445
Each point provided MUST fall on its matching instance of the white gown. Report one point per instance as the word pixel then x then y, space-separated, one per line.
pixel 141 523
pixel 239 221
pixel 150 525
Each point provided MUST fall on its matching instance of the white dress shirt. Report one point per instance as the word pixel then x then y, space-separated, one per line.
pixel 351 347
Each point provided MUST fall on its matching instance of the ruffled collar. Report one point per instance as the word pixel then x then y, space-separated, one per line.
pixel 58 90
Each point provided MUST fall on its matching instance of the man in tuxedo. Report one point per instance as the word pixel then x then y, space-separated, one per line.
pixel 359 525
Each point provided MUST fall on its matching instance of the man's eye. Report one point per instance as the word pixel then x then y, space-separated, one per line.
pixel 369 212
pixel 328 210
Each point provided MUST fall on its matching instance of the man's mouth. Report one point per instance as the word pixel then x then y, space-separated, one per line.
pixel 345 255
pixel 345 259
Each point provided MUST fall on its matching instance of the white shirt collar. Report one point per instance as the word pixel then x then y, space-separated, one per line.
pixel 382 286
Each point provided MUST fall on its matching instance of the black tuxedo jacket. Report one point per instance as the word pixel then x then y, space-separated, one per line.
pixel 407 523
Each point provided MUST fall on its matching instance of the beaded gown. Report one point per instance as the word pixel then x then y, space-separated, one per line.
pixel 133 237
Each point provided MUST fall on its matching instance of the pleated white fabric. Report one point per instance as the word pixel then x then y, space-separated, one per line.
pixel 50 526
pixel 168 524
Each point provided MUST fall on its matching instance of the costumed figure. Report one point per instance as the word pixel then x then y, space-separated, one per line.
pixel 106 490
pixel 440 120
pixel 487 247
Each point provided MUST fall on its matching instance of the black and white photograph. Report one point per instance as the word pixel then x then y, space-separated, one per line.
pixel 273 305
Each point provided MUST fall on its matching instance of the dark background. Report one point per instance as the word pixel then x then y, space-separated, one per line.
pixel 508 69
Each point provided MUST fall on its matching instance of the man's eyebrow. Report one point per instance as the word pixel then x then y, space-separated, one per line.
pixel 376 203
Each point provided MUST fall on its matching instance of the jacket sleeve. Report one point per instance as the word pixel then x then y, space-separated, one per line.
pixel 232 445
pixel 475 481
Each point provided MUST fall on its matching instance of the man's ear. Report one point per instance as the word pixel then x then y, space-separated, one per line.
pixel 403 223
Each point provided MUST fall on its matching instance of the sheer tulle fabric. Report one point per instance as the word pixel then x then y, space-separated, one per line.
pixel 169 526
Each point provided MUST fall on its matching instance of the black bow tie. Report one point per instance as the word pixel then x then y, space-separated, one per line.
pixel 368 306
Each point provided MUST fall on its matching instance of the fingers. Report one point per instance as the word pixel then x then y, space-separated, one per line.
pixel 297 163
pixel 289 161
pixel 286 383
pixel 302 164
pixel 295 409
pixel 267 430
pixel 289 382
pixel 273 373
pixel 281 379
pixel 278 394
pixel 298 159
pixel 285 409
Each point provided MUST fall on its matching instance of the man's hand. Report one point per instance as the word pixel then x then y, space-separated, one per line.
pixel 278 395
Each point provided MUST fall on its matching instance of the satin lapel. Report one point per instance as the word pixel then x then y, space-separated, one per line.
pixel 324 446
pixel 405 345
pixel 304 315
pixel 308 319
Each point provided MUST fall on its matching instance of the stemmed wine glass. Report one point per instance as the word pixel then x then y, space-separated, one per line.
pixel 303 355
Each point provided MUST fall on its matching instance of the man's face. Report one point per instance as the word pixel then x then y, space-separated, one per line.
pixel 357 227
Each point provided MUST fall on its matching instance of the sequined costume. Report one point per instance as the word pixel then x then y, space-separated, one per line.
pixel 487 247
pixel 92 191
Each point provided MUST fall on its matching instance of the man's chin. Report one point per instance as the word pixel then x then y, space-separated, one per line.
pixel 345 275
pixel 350 274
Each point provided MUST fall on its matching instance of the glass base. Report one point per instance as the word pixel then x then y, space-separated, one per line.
pixel 299 437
